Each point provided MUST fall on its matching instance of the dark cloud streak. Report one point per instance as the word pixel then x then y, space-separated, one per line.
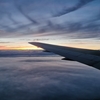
pixel 8 14
pixel 11 18
pixel 23 13
pixel 71 9
pixel 84 29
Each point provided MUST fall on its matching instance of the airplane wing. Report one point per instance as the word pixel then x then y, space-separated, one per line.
pixel 85 56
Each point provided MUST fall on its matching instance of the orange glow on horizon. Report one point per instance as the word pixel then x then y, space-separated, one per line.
pixel 19 48
pixel 25 46
pixel 83 46
pixel 36 48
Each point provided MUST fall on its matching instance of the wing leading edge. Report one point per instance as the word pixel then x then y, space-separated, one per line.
pixel 85 56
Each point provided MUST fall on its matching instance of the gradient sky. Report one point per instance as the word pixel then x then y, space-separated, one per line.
pixel 64 22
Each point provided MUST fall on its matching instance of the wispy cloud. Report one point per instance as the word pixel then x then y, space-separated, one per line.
pixel 89 27
pixel 4 42
pixel 79 5
pixel 5 12
pixel 20 8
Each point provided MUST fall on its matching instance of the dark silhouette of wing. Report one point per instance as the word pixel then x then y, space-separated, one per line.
pixel 85 56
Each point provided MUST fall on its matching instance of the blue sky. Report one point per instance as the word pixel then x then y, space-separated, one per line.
pixel 66 22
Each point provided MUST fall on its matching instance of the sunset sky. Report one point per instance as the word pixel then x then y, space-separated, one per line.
pixel 74 23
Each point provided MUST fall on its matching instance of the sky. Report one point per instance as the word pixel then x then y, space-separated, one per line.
pixel 74 23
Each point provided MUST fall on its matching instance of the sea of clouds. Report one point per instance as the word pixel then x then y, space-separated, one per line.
pixel 47 78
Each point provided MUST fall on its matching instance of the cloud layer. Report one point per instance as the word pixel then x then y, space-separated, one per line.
pixel 34 17
pixel 49 78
